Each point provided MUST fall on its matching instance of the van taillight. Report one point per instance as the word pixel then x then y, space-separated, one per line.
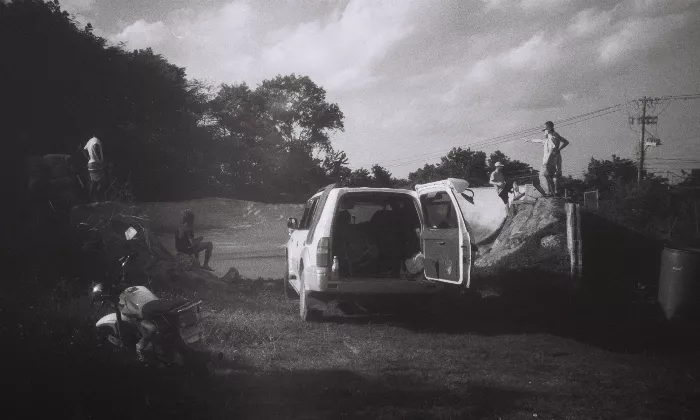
pixel 323 254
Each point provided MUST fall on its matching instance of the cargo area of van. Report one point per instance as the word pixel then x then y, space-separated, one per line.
pixel 374 233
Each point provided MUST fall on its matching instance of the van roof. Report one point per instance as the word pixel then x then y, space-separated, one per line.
pixel 365 189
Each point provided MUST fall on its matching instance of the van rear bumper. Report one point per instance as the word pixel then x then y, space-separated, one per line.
pixel 377 287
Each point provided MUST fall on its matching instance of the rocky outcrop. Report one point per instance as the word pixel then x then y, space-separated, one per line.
pixel 531 246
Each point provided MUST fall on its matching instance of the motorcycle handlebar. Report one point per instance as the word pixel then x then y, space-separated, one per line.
pixel 128 257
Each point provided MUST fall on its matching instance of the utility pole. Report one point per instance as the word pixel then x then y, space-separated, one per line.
pixel 645 120
pixel 641 142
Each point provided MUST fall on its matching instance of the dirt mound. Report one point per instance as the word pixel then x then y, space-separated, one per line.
pixel 103 227
pixel 531 245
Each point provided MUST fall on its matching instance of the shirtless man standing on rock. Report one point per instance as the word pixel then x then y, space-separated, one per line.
pixel 553 144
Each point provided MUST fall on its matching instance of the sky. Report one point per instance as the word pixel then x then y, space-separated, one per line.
pixel 415 78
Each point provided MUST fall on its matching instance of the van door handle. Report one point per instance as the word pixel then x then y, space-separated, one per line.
pixel 441 243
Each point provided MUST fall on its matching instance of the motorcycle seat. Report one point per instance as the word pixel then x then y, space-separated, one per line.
pixel 161 306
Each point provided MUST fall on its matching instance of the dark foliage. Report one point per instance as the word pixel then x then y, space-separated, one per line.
pixel 161 131
pixel 470 165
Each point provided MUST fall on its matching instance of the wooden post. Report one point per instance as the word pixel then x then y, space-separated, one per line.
pixel 573 241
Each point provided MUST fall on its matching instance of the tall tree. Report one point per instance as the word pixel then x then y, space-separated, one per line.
pixel 270 135
pixel 297 109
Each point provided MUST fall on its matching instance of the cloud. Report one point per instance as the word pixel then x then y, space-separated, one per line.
pixel 229 43
pixel 142 34
pixel 542 4
pixel 639 34
pixel 535 54
pixel 653 8
pixel 526 4
pixel 77 5
pixel 590 21
pixel 340 53
pixel 493 4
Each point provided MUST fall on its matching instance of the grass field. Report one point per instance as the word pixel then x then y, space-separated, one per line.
pixel 457 358
pixel 488 360
pixel 491 360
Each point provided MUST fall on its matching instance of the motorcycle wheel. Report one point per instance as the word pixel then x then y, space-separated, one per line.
pixel 107 338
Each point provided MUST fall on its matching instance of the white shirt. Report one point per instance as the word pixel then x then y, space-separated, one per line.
pixel 94 152
pixel 497 180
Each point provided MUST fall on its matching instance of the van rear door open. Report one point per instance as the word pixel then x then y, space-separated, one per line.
pixel 445 239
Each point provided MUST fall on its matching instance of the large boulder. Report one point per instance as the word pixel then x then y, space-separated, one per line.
pixel 530 248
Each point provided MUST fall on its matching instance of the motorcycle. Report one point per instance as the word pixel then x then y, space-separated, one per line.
pixel 158 329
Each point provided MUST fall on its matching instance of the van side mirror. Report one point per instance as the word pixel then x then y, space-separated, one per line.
pixel 468 197
pixel 293 223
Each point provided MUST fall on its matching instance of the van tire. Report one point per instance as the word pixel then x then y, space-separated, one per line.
pixel 289 291
pixel 307 314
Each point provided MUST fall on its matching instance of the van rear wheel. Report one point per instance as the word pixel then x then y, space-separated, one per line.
pixel 306 313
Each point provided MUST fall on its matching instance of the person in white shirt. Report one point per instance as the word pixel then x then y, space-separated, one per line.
pixel 515 194
pixel 98 181
pixel 553 144
pixel 498 180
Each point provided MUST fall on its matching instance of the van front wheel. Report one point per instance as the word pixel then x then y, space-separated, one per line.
pixel 289 291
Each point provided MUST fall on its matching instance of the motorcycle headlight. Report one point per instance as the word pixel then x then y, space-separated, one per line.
pixel 98 292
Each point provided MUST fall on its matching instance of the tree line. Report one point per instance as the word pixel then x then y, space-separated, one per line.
pixel 171 136
pixel 176 138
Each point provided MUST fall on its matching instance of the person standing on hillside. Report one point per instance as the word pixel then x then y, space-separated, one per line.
pixel 498 180
pixel 553 144
pixel 98 181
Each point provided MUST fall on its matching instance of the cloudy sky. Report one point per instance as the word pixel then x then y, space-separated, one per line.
pixel 418 77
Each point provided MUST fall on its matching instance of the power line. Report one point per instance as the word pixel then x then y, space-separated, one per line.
pixel 497 140
pixel 494 141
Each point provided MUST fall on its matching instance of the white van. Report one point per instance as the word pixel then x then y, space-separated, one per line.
pixel 354 242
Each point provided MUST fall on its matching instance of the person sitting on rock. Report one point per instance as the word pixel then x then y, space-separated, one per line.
pixel 515 194
pixel 186 243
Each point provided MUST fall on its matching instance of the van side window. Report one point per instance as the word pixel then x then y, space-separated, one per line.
pixel 308 213
pixel 438 211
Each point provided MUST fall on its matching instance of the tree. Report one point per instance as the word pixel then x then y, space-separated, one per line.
pixel 467 164
pixel 360 178
pixel 270 135
pixel 381 177
pixel 335 165
pixel 297 109
pixel 141 106
pixel 428 173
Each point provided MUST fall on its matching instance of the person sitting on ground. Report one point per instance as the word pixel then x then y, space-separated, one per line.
pixel 186 243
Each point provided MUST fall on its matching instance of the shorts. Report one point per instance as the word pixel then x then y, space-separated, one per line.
pixel 97 176
pixel 553 166
pixel 96 171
